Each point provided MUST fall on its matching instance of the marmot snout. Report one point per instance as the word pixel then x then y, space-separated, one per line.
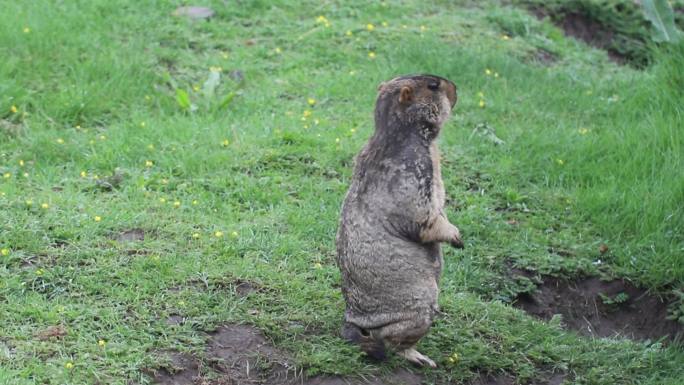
pixel 393 220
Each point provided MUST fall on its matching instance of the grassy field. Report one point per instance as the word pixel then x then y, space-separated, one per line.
pixel 149 162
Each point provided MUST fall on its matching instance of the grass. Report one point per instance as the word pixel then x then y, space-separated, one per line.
pixel 592 155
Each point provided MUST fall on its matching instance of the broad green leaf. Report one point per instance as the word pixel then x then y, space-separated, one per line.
pixel 660 14
pixel 226 100
pixel 183 99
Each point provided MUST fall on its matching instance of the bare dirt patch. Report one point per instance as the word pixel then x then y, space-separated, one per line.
pixel 398 377
pixel 583 27
pixel 246 357
pixel 543 57
pixel 240 354
pixel 183 369
pixel 132 235
pixel 505 379
pixel 602 308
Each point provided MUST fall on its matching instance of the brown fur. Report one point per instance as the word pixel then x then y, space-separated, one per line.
pixel 393 219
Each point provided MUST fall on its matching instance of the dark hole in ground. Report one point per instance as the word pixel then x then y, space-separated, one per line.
pixel 602 308
pixel 241 354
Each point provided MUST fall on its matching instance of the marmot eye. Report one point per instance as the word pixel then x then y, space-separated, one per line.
pixel 434 86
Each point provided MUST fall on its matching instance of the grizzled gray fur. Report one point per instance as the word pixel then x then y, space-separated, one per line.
pixel 392 221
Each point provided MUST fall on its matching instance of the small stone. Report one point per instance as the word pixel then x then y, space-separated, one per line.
pixel 192 12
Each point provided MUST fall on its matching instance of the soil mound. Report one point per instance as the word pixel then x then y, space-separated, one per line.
pixel 602 308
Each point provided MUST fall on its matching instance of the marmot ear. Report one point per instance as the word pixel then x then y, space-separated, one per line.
pixel 380 86
pixel 405 95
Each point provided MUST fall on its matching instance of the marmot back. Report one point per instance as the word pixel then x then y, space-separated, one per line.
pixel 393 220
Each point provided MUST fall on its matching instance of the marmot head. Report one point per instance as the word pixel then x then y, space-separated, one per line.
pixel 416 100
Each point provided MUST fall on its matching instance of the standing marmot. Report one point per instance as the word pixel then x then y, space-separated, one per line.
pixel 393 220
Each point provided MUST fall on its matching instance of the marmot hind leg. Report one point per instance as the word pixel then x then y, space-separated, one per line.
pixel 402 337
pixel 416 357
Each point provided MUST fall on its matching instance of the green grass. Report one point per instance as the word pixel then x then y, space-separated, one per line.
pixel 94 84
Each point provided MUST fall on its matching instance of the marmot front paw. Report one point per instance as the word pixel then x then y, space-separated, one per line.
pixel 456 241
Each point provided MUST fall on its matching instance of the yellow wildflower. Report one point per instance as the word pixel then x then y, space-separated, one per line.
pixel 4 252
pixel 101 343
pixel 583 131
pixel 7 175
pixel 196 88
pixel 102 137
pixel 349 33
pixel 27 30
pixel 505 37
pixel 143 124
pixel 26 175
pixel 306 113
pixel 162 200
pixel 69 365
pixel 352 130
pixel 488 71
pixel 278 50
pixel 149 163
pixel 371 55
pixel 496 74
pixel 176 204
pixel 60 140
pixel 234 234
pixel 384 24
pixel 215 69
pixel 480 94
pixel 352 73
pixel 370 27
pixel 45 206
pixel 423 28
pixel 560 161
pixel 218 234
pixel 195 235
pixel 317 265
pixel 195 202
pixel 13 109
pixel 150 147
pixel 311 101
pixel 40 272
pixel 148 97
pixel 337 140
pixel 21 162
pixel 224 55
pixel 98 218
pixel 29 202
pixel 225 142
pixel 482 104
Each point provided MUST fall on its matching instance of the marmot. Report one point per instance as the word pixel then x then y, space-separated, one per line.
pixel 393 220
